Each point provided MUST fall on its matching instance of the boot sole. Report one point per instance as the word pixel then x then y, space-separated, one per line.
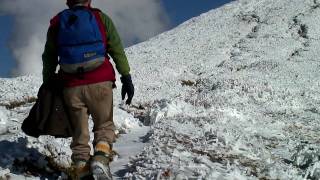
pixel 100 172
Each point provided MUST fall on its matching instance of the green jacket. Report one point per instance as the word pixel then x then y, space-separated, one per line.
pixel 114 48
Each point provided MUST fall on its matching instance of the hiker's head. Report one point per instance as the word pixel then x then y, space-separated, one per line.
pixel 72 3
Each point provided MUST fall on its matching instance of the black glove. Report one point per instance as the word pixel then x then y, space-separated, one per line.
pixel 127 88
pixel 54 83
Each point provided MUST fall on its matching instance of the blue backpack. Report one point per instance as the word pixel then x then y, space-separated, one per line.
pixel 80 43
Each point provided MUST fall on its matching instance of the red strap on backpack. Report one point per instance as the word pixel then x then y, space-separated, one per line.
pixel 101 25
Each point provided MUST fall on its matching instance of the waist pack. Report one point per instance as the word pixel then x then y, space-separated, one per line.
pixel 81 46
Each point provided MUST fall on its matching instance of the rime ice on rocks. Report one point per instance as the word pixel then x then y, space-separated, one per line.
pixel 233 93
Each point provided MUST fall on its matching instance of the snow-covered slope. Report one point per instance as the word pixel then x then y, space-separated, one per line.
pixel 231 94
pixel 241 93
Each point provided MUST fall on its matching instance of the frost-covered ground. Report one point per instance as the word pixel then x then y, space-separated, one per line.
pixel 240 94
pixel 23 157
pixel 231 94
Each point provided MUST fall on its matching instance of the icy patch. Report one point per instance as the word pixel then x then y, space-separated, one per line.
pixel 128 146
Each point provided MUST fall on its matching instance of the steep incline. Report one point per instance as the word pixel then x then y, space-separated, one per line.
pixel 237 38
pixel 240 93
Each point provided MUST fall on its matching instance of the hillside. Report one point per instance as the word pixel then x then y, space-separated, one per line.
pixel 233 93
pixel 239 93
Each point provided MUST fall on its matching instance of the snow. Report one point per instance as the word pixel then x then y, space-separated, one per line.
pixel 231 94
pixel 20 154
pixel 3 120
pixel 253 68
pixel 124 121
pixel 18 89
pixel 127 146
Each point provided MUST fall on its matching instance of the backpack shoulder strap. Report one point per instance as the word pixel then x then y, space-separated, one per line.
pixel 102 27
pixel 54 22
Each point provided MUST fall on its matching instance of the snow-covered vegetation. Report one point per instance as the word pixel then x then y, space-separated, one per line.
pixel 231 94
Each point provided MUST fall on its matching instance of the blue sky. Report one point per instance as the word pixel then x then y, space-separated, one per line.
pixel 182 10
pixel 6 61
pixel 177 10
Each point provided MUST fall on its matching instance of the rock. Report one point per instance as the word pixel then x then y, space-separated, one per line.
pixel 3 173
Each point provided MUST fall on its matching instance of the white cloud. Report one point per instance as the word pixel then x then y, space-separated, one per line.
pixel 136 20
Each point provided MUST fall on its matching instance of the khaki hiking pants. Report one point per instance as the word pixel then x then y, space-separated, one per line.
pixel 95 100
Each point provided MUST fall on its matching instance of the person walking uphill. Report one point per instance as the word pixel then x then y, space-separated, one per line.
pixel 79 40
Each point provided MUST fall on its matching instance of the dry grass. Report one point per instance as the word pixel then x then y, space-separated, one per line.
pixel 15 104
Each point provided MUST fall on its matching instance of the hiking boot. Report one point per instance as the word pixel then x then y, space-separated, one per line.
pixel 100 162
pixel 81 171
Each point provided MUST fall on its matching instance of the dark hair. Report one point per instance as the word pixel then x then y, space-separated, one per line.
pixel 74 2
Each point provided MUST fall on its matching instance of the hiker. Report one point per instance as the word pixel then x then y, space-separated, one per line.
pixel 79 40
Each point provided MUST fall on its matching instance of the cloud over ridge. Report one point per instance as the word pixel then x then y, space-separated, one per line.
pixel 135 20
